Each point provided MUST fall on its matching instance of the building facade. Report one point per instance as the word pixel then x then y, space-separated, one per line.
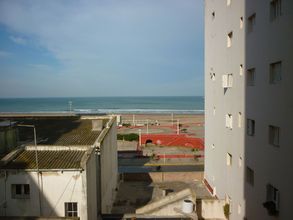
pixel 269 107
pixel 224 102
pixel 77 178
pixel 249 103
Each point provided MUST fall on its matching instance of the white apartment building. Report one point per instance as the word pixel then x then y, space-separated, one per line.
pixel 249 105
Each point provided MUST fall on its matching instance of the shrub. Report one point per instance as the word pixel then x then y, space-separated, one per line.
pixel 128 137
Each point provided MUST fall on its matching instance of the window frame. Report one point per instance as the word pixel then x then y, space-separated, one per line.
pixel 250 77
pixel 251 22
pixel 250 128
pixel 20 191
pixel 275 72
pixel 275 9
pixel 274 135
pixel 69 208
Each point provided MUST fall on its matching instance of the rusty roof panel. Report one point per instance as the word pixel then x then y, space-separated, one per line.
pixel 47 159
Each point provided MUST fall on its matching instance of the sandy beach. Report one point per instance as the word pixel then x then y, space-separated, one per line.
pixel 190 124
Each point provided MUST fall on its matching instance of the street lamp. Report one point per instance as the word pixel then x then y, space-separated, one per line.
pixel 37 160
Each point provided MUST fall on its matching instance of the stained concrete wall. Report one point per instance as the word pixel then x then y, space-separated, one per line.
pixel 55 189
pixel 213 209
pixel 226 180
pixel 8 139
pixel 109 167
pixel 270 104
pixel 158 177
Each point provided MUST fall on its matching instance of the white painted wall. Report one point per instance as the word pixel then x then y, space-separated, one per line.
pixel 265 103
pixel 109 168
pixel 219 140
pixel 56 188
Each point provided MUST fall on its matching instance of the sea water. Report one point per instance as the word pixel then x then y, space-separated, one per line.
pixel 115 105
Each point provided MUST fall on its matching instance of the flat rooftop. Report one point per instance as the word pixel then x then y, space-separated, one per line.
pixel 57 159
pixel 60 131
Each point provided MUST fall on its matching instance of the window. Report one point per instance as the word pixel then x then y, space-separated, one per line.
pixel 229 39
pixel 229 159
pixel 272 201
pixel 229 2
pixel 275 72
pixel 274 135
pixel 250 176
pixel 241 22
pixel 251 77
pixel 240 162
pixel 241 70
pixel 227 80
pixel 20 191
pixel 71 209
pixel 213 76
pixel 239 119
pixel 229 121
pixel 213 15
pixel 250 127
pixel 251 22
pixel 275 9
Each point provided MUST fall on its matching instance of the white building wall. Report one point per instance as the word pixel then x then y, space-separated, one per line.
pixel 227 181
pixel 270 104
pixel 109 168
pixel 56 188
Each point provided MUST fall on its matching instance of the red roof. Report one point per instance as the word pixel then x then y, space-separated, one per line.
pixel 173 140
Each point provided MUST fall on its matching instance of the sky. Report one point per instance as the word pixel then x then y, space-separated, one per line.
pixel 95 48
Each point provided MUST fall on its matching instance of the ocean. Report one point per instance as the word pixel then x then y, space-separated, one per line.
pixel 115 105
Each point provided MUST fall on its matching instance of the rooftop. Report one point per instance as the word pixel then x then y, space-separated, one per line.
pixel 61 131
pixel 55 158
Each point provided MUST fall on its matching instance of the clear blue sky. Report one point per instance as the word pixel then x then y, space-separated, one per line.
pixel 101 48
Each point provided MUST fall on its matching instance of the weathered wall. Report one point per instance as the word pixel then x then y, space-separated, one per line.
pixel 109 168
pixel 55 188
pixel 161 177
pixel 92 182
pixel 8 139
pixel 213 209
pixel 226 180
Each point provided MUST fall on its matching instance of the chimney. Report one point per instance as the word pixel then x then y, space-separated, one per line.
pixel 97 125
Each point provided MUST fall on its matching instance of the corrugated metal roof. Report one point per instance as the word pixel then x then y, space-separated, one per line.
pixel 60 131
pixel 47 159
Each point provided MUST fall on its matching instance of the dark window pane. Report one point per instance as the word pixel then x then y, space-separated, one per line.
pixel 26 189
pixel 18 189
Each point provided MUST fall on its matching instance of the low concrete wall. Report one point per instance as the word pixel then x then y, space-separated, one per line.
pixel 126 145
pixel 163 176
pixel 213 209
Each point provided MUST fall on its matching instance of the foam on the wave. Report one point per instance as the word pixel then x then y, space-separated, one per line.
pixel 138 111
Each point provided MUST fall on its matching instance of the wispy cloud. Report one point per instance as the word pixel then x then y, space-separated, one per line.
pixel 18 40
pixel 4 54
pixel 102 44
